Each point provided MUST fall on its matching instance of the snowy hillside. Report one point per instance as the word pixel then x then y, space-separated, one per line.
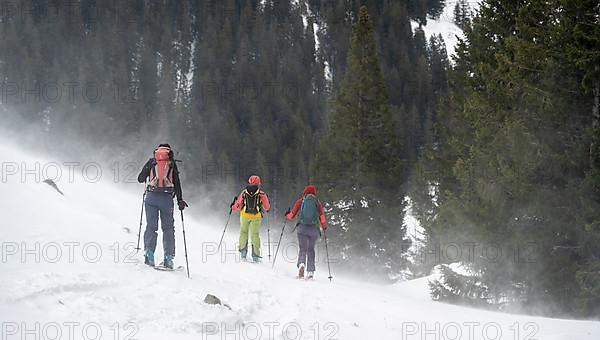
pixel 445 26
pixel 69 271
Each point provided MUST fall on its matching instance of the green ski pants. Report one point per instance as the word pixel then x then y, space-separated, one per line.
pixel 251 225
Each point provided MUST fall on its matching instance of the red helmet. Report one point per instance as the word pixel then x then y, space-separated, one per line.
pixel 310 190
pixel 254 180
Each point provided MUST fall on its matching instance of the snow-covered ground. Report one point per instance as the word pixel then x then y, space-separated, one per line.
pixel 69 271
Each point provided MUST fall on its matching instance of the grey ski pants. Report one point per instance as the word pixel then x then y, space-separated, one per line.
pixel 159 203
pixel 307 238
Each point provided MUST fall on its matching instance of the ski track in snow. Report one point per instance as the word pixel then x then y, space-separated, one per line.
pixel 118 288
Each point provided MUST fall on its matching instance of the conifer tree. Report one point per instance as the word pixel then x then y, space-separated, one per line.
pixel 461 14
pixel 359 159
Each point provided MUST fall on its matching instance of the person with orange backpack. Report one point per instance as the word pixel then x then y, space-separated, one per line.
pixel 310 213
pixel 163 185
pixel 251 203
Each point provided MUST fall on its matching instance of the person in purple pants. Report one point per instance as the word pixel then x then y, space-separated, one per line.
pixel 310 213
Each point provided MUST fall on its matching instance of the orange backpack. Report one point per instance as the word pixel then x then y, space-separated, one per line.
pixel 161 176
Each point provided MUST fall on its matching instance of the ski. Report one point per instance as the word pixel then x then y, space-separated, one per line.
pixel 165 269
pixel 305 278
pixel 162 267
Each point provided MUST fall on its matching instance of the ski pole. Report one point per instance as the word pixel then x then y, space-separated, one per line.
pixel 327 253
pixel 187 265
pixel 141 217
pixel 228 218
pixel 279 243
pixel 269 236
pixel 296 227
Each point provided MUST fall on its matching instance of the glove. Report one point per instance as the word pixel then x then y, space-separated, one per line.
pixel 182 204
pixel 152 162
pixel 288 214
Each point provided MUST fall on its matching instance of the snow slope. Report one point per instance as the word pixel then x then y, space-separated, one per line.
pixel 99 290
pixel 449 31
pixel 445 26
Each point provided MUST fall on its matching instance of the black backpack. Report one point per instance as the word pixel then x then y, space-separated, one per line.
pixel 252 204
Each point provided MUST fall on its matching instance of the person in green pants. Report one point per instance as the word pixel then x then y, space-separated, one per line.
pixel 251 203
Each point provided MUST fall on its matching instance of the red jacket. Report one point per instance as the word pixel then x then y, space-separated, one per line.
pixel 309 190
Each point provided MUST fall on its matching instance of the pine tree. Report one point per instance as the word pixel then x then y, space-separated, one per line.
pixel 580 31
pixel 359 160
pixel 462 15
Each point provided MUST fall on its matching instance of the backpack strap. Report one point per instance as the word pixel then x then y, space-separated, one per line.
pixel 302 205
pixel 171 168
pixel 258 202
pixel 244 197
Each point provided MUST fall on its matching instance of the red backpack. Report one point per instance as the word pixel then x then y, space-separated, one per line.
pixel 161 176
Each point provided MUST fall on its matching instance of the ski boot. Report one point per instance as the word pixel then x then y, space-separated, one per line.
pixel 255 258
pixel 310 275
pixel 149 258
pixel 301 271
pixel 168 262
pixel 244 253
